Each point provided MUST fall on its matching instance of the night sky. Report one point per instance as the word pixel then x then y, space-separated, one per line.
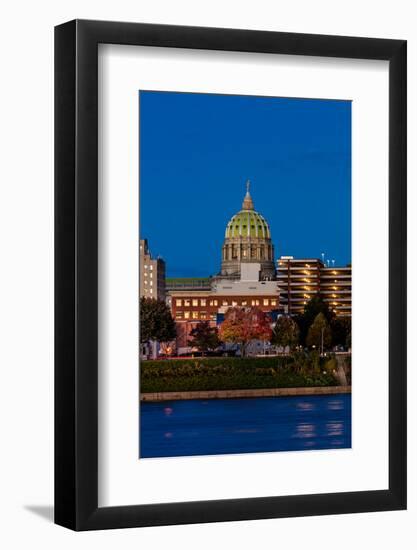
pixel 198 150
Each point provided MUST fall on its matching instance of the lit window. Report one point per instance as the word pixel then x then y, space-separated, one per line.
pixel 151 283
pixel 203 315
pixel 195 302
pixel 255 302
pixel 151 291
pixel 234 304
pixel 216 302
pixel 195 314
pixel 151 267
pixel 187 302
pixel 178 302
pixel 266 302
pixel 273 302
pixel 146 267
pixel 178 315
pixel 186 314
pixel 203 302
pixel 244 303
pixel 225 303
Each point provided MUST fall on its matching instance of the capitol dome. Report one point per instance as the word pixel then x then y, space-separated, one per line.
pixel 248 240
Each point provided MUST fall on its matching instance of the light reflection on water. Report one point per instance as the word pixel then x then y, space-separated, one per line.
pixel 224 426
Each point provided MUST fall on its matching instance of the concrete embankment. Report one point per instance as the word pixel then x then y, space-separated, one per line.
pixel 234 394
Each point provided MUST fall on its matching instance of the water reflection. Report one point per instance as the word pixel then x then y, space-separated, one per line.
pixel 265 424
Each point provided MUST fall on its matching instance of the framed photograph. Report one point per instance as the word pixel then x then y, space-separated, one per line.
pixel 230 244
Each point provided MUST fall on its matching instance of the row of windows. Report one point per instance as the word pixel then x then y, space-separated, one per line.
pixel 192 315
pixel 195 302
pixel 232 252
pixel 148 267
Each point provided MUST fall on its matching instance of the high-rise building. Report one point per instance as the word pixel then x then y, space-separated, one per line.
pixel 299 279
pixel 151 273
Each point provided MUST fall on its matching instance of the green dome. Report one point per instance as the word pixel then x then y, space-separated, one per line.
pixel 248 223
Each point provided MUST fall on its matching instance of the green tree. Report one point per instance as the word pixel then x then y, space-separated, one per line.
pixel 156 322
pixel 204 337
pixel 313 307
pixel 241 326
pixel 319 333
pixel 286 333
pixel 341 328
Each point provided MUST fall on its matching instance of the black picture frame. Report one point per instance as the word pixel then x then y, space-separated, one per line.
pixel 76 272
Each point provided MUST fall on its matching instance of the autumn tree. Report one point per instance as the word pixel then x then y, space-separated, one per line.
pixel 241 326
pixel 319 333
pixel 156 322
pixel 286 333
pixel 204 337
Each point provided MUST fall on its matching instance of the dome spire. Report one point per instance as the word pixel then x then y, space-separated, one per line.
pixel 247 201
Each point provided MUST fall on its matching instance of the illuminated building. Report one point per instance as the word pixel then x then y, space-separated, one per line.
pixel 151 273
pixel 246 279
pixel 299 279
pixel 247 240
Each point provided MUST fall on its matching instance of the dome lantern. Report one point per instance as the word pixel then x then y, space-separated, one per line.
pixel 247 201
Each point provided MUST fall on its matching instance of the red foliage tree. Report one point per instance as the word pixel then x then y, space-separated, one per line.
pixel 241 326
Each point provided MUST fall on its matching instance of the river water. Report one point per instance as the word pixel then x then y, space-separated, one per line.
pixel 264 424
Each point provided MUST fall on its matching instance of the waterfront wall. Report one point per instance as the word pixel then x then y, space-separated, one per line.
pixel 233 394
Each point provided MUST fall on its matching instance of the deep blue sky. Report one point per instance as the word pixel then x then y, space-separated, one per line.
pixel 198 150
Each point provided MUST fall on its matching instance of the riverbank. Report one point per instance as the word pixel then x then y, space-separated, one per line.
pixel 247 393
pixel 302 370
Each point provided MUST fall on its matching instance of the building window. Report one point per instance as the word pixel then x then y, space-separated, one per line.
pixel 225 303
pixel 178 302
pixel 244 303
pixel 203 315
pixel 255 302
pixel 266 302
pixel 273 302
pixel 186 314
pixel 151 267
pixel 151 291
pixel 234 304
pixel 195 314
pixel 187 303
pixel 203 301
pixel 178 315
pixel 213 302
pixel 195 302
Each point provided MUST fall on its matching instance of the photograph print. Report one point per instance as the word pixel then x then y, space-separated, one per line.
pixel 245 304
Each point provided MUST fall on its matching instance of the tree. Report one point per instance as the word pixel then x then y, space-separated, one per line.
pixel 313 307
pixel 319 333
pixel 242 325
pixel 204 337
pixel 286 333
pixel 341 328
pixel 156 322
